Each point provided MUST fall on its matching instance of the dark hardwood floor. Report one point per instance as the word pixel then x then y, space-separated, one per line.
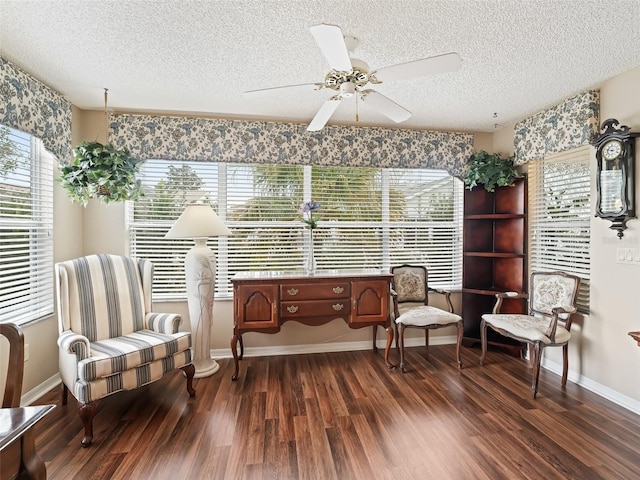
pixel 346 416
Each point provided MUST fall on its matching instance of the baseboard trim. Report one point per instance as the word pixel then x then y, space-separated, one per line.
pixel 328 347
pixel 597 388
pixel 35 393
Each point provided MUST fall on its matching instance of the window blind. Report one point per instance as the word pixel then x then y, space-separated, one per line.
pixel 26 223
pixel 368 218
pixel 560 216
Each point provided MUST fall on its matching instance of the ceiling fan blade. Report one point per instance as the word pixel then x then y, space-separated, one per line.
pixel 331 42
pixel 449 62
pixel 385 106
pixel 302 87
pixel 324 114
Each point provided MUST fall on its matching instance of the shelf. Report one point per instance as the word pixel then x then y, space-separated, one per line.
pixel 495 216
pixel 483 291
pixel 494 255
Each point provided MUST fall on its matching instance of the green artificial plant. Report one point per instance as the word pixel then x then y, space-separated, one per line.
pixel 102 172
pixel 490 170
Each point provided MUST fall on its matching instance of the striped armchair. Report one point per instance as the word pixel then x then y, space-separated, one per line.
pixel 109 340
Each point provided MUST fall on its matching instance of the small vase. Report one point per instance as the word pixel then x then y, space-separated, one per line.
pixel 310 262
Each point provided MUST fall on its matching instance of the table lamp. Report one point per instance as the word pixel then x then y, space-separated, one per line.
pixel 199 221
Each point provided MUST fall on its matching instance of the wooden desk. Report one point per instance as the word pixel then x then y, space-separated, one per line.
pixel 263 301
pixel 18 454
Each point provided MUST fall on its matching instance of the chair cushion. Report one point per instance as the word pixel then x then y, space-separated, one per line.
pixel 427 315
pixel 526 327
pixel 87 391
pixel 405 307
pixel 115 355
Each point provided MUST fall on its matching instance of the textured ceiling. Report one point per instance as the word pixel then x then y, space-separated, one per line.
pixel 199 56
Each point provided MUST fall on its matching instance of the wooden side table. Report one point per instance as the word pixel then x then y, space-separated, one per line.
pixel 18 456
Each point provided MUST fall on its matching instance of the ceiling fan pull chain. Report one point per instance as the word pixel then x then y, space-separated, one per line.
pixel 357 118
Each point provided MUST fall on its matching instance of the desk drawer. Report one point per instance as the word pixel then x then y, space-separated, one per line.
pixel 340 307
pixel 315 291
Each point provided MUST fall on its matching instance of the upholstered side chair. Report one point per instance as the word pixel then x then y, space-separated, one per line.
pixel 109 338
pixel 551 305
pixel 410 294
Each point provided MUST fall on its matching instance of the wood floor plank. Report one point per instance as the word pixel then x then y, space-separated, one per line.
pixel 345 415
pixel 279 455
pixel 354 448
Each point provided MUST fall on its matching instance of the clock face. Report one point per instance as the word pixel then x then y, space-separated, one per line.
pixel 611 150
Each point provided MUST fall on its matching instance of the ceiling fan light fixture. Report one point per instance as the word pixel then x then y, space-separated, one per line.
pixel 347 89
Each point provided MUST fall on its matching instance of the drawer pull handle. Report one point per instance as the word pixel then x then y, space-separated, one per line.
pixel 292 308
pixel 292 291
pixel 338 306
pixel 338 289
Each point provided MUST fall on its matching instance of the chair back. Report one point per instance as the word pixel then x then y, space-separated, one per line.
pixel 549 290
pixel 15 365
pixel 410 283
pixel 100 296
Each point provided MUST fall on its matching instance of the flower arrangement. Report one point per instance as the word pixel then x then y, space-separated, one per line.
pixel 307 209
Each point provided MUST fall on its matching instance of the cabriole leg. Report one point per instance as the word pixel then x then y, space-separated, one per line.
pixel 87 411
pixel 483 340
pixel 189 371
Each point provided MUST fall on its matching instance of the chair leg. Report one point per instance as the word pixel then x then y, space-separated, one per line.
pixel 565 364
pixel 375 334
pixel 65 394
pixel 400 338
pixel 397 335
pixel 426 341
pixel 189 371
pixel 483 340
pixel 537 357
pixel 459 343
pixel 87 411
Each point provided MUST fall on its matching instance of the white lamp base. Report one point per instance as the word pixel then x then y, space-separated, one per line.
pixel 200 270
pixel 205 368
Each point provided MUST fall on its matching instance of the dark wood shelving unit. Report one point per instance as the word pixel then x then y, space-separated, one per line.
pixel 494 258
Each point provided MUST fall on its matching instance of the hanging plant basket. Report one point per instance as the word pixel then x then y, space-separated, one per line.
pixel 102 172
pixel 490 170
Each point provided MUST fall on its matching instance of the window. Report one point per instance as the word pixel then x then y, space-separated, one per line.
pixel 369 218
pixel 26 224
pixel 560 215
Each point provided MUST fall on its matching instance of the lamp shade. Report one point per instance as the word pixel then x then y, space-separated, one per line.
pixel 198 221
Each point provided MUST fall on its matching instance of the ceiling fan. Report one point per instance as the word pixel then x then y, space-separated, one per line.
pixel 350 76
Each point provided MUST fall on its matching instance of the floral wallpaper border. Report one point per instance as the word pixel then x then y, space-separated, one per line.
pixel 30 106
pixel 220 140
pixel 570 124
